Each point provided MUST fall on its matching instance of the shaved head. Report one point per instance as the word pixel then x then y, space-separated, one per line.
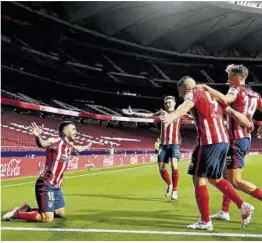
pixel 188 82
pixel 185 84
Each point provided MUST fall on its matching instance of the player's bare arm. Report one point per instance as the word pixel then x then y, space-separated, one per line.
pixel 239 117
pixel 182 110
pixel 221 98
pixel 129 111
pixel 186 116
pixel 37 131
pixel 79 149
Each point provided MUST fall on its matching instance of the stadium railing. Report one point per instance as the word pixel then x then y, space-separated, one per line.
pixel 90 115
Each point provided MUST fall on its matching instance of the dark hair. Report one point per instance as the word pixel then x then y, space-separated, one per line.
pixel 64 124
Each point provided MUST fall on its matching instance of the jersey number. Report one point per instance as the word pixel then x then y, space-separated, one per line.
pixel 51 196
pixel 250 110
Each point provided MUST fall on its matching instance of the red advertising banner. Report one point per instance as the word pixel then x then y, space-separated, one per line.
pixel 15 167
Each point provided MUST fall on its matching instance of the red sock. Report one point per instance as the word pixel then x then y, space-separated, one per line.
pixel 175 176
pixel 202 199
pixel 257 193
pixel 226 203
pixel 28 216
pixel 165 176
pixel 226 188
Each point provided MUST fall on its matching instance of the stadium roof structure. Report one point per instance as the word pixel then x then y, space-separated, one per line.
pixel 232 28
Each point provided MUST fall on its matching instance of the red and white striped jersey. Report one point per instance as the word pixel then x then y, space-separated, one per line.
pixel 170 133
pixel 208 116
pixel 246 102
pixel 57 159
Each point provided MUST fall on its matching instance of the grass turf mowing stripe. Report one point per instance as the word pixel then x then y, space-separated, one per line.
pixel 88 174
pixel 134 232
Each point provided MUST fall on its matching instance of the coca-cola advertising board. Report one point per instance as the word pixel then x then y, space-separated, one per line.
pixel 14 167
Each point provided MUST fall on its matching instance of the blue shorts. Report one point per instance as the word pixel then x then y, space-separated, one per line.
pixel 237 152
pixel 48 197
pixel 167 152
pixel 208 161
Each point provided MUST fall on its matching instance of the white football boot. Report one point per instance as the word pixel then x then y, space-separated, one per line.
pixel 246 212
pixel 169 191
pixel 174 195
pixel 221 215
pixel 9 215
pixel 201 225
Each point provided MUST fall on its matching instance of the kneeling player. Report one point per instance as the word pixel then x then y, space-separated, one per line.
pixel 48 193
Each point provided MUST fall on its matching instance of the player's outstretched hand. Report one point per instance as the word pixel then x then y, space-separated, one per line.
pixel 89 145
pixel 259 132
pixel 128 111
pixel 166 117
pixel 36 130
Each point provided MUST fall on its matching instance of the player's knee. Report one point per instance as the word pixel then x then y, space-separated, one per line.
pixel 237 183
pixel 162 167
pixel 174 164
pixel 59 214
pixel 198 181
pixel 213 181
pixel 46 218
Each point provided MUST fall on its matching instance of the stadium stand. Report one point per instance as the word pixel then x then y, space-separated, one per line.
pixel 15 133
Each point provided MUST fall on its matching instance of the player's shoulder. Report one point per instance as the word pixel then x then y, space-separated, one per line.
pixel 256 94
pixel 247 90
pixel 54 140
pixel 189 95
pixel 238 87
pixel 234 89
pixel 194 94
pixel 199 92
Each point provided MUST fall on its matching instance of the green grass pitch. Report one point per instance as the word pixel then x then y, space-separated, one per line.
pixel 129 198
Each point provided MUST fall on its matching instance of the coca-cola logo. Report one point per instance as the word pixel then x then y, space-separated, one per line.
pixel 73 164
pixel 11 169
pixel 108 161
pixel 133 159
pixel 152 158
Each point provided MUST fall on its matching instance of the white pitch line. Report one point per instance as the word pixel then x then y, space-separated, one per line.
pixel 88 174
pixel 134 232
